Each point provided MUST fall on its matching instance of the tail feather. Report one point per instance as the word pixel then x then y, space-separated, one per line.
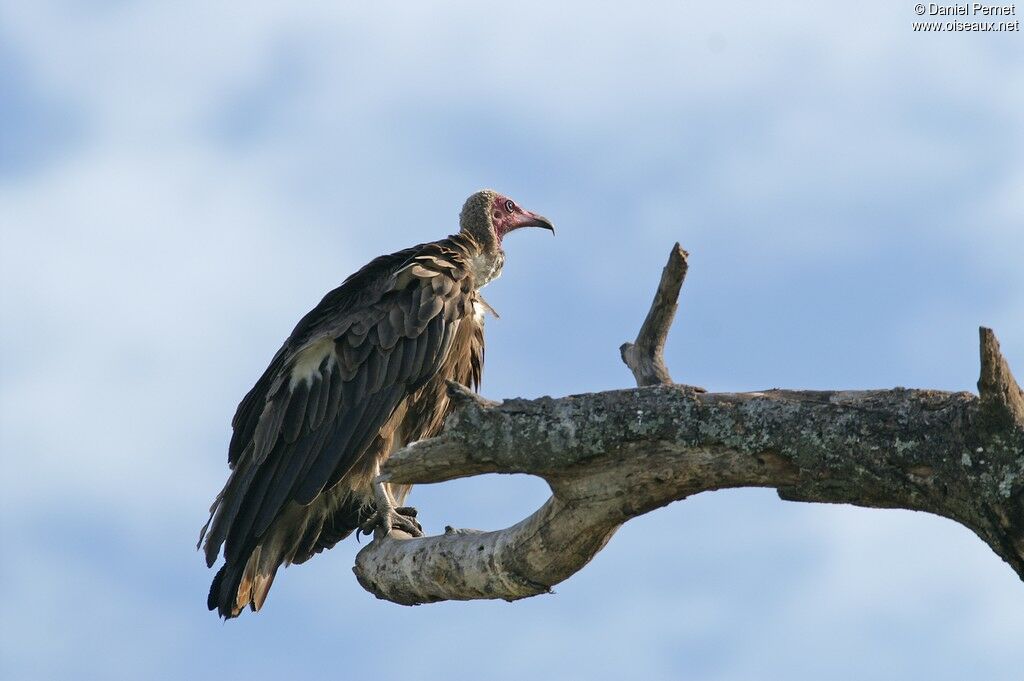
pixel 263 579
pixel 238 585
pixel 213 598
pixel 297 535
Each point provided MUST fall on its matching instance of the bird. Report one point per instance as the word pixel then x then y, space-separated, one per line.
pixel 362 374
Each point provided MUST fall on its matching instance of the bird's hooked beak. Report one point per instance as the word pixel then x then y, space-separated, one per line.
pixel 528 219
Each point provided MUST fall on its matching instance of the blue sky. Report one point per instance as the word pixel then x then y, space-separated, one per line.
pixel 180 182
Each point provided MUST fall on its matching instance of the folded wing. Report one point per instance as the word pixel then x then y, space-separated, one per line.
pixel 327 393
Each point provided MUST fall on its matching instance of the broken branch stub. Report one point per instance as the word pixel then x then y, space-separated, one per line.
pixel 1001 398
pixel 645 356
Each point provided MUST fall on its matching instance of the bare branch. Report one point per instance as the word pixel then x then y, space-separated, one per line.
pixel 645 356
pixel 520 561
pixel 615 455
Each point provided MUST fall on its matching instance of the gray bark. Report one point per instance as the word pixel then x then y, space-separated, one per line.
pixel 615 455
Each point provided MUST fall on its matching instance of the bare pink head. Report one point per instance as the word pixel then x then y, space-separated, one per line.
pixel 488 216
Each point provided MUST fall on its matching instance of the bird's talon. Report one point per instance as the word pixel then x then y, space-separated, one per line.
pixel 408 515
pixel 401 519
pixel 401 522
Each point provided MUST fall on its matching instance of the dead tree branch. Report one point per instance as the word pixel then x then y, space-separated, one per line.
pixel 645 356
pixel 612 456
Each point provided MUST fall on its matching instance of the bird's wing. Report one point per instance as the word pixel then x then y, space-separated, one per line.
pixel 327 393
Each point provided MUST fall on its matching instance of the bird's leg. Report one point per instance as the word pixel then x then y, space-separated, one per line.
pixel 387 517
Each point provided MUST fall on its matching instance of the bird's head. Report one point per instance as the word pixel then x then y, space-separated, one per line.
pixel 488 216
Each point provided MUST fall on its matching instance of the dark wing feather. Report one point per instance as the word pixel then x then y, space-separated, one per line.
pixel 338 379
pixel 247 417
pixel 295 416
pixel 279 481
pixel 359 290
pixel 335 464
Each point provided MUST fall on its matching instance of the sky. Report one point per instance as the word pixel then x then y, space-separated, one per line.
pixel 180 182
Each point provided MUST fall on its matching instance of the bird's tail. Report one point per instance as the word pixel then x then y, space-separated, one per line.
pixel 248 572
pixel 243 583
pixel 295 537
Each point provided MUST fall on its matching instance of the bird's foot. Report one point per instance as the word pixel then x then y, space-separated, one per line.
pixel 389 518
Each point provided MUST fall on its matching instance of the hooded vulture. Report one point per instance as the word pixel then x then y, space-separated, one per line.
pixel 362 374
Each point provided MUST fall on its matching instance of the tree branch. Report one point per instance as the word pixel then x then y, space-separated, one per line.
pixel 615 455
pixel 645 356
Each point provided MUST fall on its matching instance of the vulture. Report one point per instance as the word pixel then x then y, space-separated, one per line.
pixel 362 374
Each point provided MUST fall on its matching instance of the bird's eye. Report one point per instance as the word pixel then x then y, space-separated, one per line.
pixel 509 206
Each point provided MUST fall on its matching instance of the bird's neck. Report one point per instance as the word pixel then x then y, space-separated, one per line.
pixel 486 266
pixel 484 260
